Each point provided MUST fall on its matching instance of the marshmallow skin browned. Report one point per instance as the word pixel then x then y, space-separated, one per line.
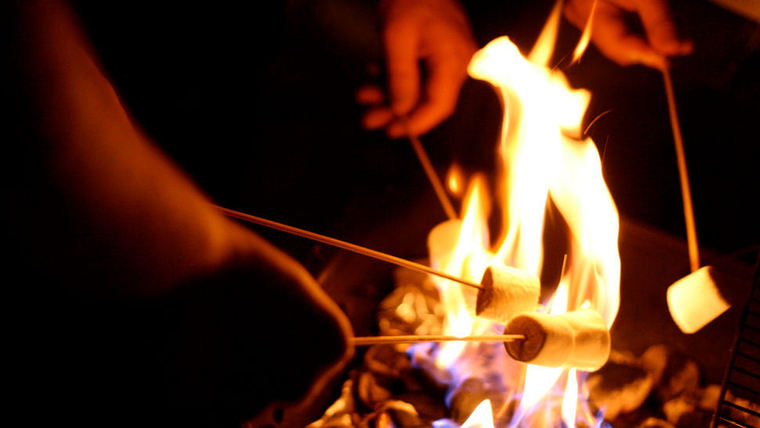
pixel 578 339
pixel 506 292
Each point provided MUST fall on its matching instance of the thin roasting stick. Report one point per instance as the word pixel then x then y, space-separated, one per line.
pixel 688 209
pixel 384 340
pixel 344 245
pixel 430 171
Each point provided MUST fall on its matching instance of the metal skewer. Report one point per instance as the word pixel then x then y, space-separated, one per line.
pixel 384 340
pixel 344 245
pixel 440 192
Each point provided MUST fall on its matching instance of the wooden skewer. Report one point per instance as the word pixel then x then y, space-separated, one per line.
pixel 424 159
pixel 384 340
pixel 344 245
pixel 688 209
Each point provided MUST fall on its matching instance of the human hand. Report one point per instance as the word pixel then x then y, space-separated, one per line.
pixel 235 333
pixel 436 32
pixel 613 37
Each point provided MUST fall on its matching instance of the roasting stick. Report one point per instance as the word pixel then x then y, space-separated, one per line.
pixel 688 209
pixel 385 340
pixel 696 299
pixel 344 245
pixel 430 171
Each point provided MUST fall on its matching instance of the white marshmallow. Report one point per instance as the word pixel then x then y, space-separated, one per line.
pixel 578 339
pixel 506 292
pixel 694 300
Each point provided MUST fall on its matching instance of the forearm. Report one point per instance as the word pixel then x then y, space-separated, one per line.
pixel 94 203
pixel 109 177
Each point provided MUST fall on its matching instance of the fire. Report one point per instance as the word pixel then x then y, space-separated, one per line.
pixel 455 180
pixel 545 157
pixel 456 247
pixel 481 417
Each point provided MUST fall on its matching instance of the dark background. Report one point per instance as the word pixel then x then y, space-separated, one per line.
pixel 255 101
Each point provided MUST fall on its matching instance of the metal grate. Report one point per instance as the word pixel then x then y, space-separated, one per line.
pixel 739 403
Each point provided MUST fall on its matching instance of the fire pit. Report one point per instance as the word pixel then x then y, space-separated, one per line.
pixel 470 384
pixel 656 376
pixel 405 386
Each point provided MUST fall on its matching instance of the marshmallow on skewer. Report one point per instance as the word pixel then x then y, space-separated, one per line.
pixel 695 300
pixel 506 292
pixel 578 339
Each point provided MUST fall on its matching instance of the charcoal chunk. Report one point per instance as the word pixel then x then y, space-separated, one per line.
pixel 369 391
pixel 655 423
pixel 403 414
pixel 340 413
pixel 429 405
pixel 674 373
pixel 619 388
pixel 692 409
pixel 709 398
pixel 384 420
pixel 386 360
pixel 677 408
pixel 410 309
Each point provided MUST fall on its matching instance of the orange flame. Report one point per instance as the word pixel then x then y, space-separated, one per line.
pixel 545 157
pixel 481 417
pixel 586 35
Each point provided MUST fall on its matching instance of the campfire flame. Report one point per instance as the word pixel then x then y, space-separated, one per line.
pixel 545 157
pixel 481 417
pixel 454 180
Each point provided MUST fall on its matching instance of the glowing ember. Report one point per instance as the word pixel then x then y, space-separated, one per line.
pixel 545 157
